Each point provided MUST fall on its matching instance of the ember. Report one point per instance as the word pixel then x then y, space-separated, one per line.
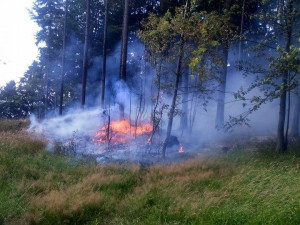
pixel 181 150
pixel 121 132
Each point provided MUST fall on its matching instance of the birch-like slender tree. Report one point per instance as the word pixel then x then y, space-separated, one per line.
pixel 123 58
pixel 85 54
pixel 63 58
pixel 104 52
pixel 178 74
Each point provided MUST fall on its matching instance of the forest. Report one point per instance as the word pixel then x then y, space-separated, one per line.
pixel 191 54
pixel 155 112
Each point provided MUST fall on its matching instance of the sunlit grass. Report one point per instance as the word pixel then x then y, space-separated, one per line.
pixel 243 187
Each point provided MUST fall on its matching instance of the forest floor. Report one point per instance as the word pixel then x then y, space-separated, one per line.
pixel 244 186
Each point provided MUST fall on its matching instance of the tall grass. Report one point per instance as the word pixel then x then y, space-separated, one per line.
pixel 246 186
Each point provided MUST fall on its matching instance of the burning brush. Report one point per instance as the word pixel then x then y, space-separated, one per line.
pixel 122 131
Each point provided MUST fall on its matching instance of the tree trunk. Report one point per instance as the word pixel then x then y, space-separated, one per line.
pixel 85 54
pixel 63 62
pixel 185 99
pixel 281 139
pixel 296 116
pixel 241 31
pixel 155 120
pixel 178 75
pixel 47 87
pixel 173 105
pixel 288 112
pixel 281 145
pixel 221 95
pixel 222 87
pixel 104 56
pixel 123 59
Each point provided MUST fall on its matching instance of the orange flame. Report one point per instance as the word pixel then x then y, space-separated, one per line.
pixel 121 132
pixel 181 150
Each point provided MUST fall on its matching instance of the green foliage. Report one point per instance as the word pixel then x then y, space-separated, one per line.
pixel 157 34
pixel 10 102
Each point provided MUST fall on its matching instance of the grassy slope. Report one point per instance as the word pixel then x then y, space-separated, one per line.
pixel 243 187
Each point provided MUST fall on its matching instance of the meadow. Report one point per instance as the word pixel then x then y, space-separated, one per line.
pixel 244 186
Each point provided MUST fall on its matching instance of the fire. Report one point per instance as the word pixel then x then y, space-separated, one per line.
pixel 121 132
pixel 181 150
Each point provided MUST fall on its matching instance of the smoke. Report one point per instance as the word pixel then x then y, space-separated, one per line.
pixel 137 96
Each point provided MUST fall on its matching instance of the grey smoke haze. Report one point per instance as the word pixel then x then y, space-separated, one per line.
pixel 86 123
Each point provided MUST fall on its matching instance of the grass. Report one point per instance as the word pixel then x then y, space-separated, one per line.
pixel 243 187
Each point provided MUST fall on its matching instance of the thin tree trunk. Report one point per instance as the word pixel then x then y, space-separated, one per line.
pixel 178 75
pixel 47 87
pixel 288 113
pixel 193 117
pixel 241 31
pixel 281 139
pixel 221 94
pixel 222 87
pixel 173 105
pixel 63 62
pixel 185 98
pixel 48 70
pixel 281 145
pixel 123 59
pixel 155 120
pixel 85 54
pixel 103 78
pixel 295 123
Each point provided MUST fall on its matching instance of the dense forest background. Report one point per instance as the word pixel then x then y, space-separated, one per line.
pixel 169 56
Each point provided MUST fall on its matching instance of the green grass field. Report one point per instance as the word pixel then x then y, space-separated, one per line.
pixel 243 187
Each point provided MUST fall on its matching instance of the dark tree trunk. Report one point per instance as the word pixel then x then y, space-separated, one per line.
pixel 155 120
pixel 103 78
pixel 47 87
pixel 85 54
pixel 241 30
pixel 295 123
pixel 63 62
pixel 281 145
pixel 281 139
pixel 48 66
pixel 176 86
pixel 173 105
pixel 123 59
pixel 288 112
pixel 222 87
pixel 185 98
pixel 221 93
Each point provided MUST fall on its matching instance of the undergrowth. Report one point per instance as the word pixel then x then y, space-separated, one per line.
pixel 245 186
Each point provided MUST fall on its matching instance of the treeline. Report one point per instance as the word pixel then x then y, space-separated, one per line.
pixel 192 45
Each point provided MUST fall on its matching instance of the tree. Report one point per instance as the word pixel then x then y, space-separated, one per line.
pixel 85 54
pixel 276 68
pixel 104 54
pixel 185 99
pixel 226 33
pixel 288 20
pixel 124 45
pixel 10 102
pixel 178 76
pixel 295 123
pixel 156 34
pixel 63 61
